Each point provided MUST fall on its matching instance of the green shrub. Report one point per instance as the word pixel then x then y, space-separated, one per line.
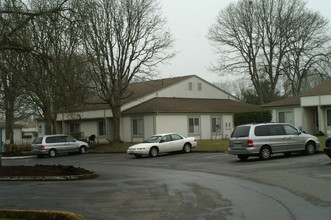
pixel 77 135
pixel 249 117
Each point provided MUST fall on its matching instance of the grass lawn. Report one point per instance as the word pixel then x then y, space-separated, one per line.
pixel 203 146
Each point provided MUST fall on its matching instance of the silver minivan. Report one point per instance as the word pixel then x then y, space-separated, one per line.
pixel 60 143
pixel 263 140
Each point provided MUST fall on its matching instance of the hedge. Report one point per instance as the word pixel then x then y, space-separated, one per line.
pixel 252 117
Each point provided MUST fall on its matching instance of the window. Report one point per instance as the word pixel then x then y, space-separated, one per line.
pixel 74 127
pixel 166 138
pixel 101 128
pixel 176 137
pixel 137 126
pixel 215 124
pixel 193 125
pixel 328 117
pixel 290 130
pixel 190 86
pixel 56 139
pixel 70 139
pixel 199 86
pixel 285 117
pixel 241 131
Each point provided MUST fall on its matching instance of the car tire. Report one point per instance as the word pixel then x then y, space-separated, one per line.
pixel 82 150
pixel 153 152
pixel 243 157
pixel 265 153
pixel 187 148
pixel 52 153
pixel 310 148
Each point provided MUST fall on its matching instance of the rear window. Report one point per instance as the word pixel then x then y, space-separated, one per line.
pixel 37 140
pixel 242 131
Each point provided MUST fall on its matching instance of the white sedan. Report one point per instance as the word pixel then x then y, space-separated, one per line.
pixel 163 143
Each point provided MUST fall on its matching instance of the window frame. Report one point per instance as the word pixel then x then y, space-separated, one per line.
pixel 141 127
pixel 103 128
pixel 196 127
pixel 212 125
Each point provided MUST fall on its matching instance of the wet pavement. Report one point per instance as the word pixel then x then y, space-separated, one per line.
pixel 180 186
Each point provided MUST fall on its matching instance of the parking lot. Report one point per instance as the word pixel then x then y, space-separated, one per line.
pixel 181 186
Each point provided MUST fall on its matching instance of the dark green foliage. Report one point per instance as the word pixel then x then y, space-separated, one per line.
pixel 249 117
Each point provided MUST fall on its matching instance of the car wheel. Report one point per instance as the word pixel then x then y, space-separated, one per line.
pixel 82 150
pixel 187 148
pixel 153 152
pixel 265 153
pixel 310 148
pixel 52 153
pixel 242 157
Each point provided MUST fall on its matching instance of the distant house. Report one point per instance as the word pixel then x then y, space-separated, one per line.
pixel 311 111
pixel 23 134
pixel 188 105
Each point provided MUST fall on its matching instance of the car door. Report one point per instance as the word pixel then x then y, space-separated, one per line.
pixel 71 144
pixel 165 144
pixel 293 139
pixel 177 142
pixel 278 138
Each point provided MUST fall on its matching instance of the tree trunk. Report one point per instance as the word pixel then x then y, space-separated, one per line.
pixel 117 122
pixel 10 120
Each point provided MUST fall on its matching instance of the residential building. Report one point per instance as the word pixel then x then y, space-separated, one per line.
pixel 187 105
pixel 310 111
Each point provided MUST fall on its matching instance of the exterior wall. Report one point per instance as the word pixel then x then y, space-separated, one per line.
pixel 148 126
pixel 126 129
pixel 171 123
pixel 88 128
pixel 310 101
pixel 205 127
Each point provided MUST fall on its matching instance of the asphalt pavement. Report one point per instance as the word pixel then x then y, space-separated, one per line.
pixel 180 186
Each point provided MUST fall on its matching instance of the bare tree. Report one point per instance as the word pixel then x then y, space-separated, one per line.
pixel 255 38
pixel 309 55
pixel 54 75
pixel 19 11
pixel 123 39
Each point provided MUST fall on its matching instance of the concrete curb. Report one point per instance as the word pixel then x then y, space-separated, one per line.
pixel 19 157
pixel 48 178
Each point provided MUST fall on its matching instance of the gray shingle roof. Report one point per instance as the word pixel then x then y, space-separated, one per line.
pixel 188 105
pixel 322 89
pixel 284 102
pixel 135 91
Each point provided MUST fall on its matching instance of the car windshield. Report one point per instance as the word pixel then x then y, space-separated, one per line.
pixel 153 139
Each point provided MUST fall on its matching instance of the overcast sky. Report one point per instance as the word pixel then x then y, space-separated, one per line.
pixel 189 21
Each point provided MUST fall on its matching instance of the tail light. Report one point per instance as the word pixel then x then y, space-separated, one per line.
pixel 250 143
pixel 42 147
